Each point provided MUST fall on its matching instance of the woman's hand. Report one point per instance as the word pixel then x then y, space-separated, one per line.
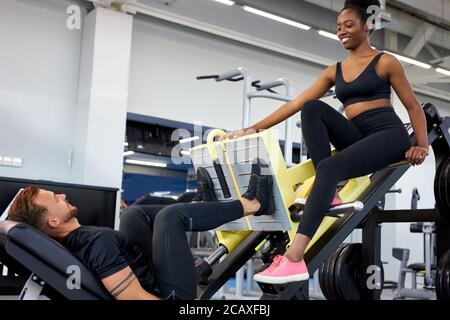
pixel 416 155
pixel 240 132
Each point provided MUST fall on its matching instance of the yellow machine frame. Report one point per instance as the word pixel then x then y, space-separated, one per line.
pixel 293 182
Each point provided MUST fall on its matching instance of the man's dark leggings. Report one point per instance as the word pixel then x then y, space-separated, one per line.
pixel 160 231
pixel 369 142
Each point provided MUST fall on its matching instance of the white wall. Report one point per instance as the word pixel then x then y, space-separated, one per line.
pixel 39 63
pixel 166 59
pixel 102 101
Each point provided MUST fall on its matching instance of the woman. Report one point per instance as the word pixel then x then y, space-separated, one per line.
pixel 371 138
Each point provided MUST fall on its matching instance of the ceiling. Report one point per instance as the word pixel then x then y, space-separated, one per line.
pixel 414 28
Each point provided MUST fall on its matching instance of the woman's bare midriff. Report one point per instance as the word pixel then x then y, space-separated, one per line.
pixel 355 109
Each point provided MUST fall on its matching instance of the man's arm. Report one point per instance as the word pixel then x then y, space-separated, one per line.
pixel 123 285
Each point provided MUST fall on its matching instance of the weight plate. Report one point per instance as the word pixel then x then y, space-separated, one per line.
pixel 446 187
pixel 437 182
pixel 438 283
pixel 327 289
pixel 337 268
pixel 446 283
pixel 328 275
pixel 445 268
pixel 442 188
pixel 442 289
pixel 322 279
pixel 348 272
pixel 334 284
pixel 335 280
pixel 443 265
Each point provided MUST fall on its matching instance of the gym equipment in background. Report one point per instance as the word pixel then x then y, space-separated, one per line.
pixel 243 74
pixel 426 269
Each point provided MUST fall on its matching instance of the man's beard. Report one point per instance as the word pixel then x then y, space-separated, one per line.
pixel 72 213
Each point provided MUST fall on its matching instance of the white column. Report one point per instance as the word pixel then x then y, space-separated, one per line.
pixel 102 98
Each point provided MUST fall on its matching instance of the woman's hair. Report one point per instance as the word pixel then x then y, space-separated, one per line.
pixel 360 7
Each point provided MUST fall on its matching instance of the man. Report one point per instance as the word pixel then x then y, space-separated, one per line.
pixel 141 262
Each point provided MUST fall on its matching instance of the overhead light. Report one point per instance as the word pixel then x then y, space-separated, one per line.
pixel 128 153
pixel 411 61
pixel 185 153
pixel 328 35
pixel 227 2
pixel 185 140
pixel 276 18
pixel 443 71
pixel 146 163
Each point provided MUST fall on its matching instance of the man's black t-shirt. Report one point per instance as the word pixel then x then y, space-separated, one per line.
pixel 105 251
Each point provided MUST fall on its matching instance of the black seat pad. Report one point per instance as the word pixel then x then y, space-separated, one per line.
pixel 419 266
pixel 15 237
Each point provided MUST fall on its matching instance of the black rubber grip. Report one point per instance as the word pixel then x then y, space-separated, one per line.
pixel 416 227
pixel 222 181
pixel 207 77
pixel 236 79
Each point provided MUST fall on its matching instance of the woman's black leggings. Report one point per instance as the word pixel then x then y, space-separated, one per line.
pixel 160 231
pixel 369 142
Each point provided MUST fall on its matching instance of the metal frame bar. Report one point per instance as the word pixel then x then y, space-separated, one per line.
pixel 371 254
pixel 32 288
pixel 288 141
pixel 418 215
pixel 231 264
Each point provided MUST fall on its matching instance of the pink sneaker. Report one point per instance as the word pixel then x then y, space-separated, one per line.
pixel 335 202
pixel 283 271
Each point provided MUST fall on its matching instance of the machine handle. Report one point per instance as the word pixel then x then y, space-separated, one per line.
pixel 215 159
pixel 222 180
pixel 217 78
pixel 216 133
pixel 207 77
pixel 337 211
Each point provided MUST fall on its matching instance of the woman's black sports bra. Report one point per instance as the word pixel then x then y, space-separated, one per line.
pixel 367 86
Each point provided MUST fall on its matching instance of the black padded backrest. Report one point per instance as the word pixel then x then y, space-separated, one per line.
pixel 20 238
pixel 400 253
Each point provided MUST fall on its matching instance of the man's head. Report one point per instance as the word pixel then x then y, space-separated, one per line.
pixel 44 210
